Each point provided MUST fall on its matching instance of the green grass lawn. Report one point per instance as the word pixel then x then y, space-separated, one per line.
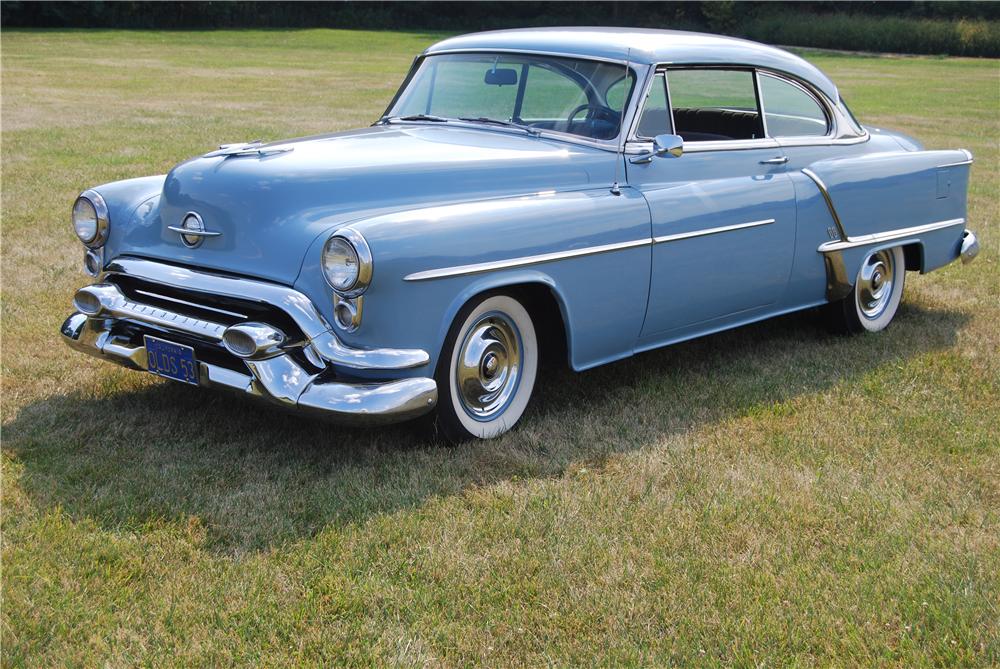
pixel 769 496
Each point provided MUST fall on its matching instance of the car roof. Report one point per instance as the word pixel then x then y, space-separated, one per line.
pixel 643 46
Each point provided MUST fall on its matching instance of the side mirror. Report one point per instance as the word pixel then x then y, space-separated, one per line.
pixel 672 144
pixel 500 77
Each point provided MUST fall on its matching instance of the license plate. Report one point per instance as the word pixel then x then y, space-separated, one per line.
pixel 174 361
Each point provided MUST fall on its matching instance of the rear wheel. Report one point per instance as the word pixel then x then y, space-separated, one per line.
pixel 487 369
pixel 878 290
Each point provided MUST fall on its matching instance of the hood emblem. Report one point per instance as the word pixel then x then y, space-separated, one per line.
pixel 192 230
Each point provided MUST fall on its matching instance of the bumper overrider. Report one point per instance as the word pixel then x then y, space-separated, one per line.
pixel 260 338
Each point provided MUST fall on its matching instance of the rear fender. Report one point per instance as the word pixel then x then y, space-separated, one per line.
pixel 905 198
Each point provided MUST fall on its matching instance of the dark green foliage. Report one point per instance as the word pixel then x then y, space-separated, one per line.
pixel 953 28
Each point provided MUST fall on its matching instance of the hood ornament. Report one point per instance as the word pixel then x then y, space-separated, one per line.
pixel 254 148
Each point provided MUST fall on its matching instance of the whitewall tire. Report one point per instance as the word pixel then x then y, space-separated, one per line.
pixel 878 290
pixel 487 369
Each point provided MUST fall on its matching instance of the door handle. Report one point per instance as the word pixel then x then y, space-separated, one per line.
pixel 780 160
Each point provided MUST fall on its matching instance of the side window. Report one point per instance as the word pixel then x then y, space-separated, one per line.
pixel 655 118
pixel 711 105
pixel 789 111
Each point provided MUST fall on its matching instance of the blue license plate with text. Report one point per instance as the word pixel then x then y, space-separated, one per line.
pixel 174 361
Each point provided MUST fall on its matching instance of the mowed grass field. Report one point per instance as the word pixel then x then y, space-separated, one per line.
pixel 770 496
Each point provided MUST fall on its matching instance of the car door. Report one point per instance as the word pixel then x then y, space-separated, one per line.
pixel 723 213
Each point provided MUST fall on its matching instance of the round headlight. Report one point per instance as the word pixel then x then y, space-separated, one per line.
pixel 347 262
pixel 90 219
pixel 85 220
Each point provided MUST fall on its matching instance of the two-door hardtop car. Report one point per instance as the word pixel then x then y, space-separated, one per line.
pixel 608 191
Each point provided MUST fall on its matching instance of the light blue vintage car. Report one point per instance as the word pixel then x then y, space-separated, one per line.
pixel 585 193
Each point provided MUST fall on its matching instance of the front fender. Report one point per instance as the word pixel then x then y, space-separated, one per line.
pixel 401 309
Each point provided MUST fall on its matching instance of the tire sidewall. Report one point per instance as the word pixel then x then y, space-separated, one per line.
pixel 453 420
pixel 898 277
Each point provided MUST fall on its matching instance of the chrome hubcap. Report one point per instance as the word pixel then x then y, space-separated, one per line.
pixel 488 366
pixel 875 284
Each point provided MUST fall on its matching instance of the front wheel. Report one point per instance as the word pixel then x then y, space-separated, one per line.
pixel 877 293
pixel 487 369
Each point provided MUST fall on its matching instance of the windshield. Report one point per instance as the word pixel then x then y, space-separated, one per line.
pixel 580 97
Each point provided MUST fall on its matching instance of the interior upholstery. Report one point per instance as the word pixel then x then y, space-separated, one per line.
pixel 701 125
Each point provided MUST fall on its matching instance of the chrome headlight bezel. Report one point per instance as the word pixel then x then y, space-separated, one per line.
pixel 100 208
pixel 355 241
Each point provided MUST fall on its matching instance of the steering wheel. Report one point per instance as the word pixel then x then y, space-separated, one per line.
pixel 599 112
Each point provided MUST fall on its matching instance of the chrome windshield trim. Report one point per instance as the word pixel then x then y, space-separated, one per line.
pixel 888 235
pixel 711 231
pixel 531 52
pixel 825 192
pixel 479 268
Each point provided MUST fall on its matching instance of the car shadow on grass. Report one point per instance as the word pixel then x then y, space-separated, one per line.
pixel 255 477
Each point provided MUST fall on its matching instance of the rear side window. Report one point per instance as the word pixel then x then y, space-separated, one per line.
pixel 712 105
pixel 790 111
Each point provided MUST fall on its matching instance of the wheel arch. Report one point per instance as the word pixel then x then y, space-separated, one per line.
pixel 540 295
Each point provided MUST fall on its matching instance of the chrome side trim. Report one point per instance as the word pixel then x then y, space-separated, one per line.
pixel 479 268
pixel 298 307
pixel 710 231
pixel 824 191
pixel 888 236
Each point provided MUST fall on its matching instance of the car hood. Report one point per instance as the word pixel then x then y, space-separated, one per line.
pixel 269 207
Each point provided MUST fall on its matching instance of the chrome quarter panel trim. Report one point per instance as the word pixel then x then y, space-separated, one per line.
pixel 888 236
pixel 479 268
pixel 829 202
pixel 711 231
pixel 299 307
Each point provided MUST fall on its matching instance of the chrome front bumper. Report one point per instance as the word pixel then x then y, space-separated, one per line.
pixel 305 373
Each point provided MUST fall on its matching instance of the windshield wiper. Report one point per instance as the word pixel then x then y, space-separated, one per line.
pixel 509 124
pixel 414 117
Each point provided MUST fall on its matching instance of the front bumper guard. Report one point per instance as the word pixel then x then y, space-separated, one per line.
pixel 276 377
pixel 279 379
